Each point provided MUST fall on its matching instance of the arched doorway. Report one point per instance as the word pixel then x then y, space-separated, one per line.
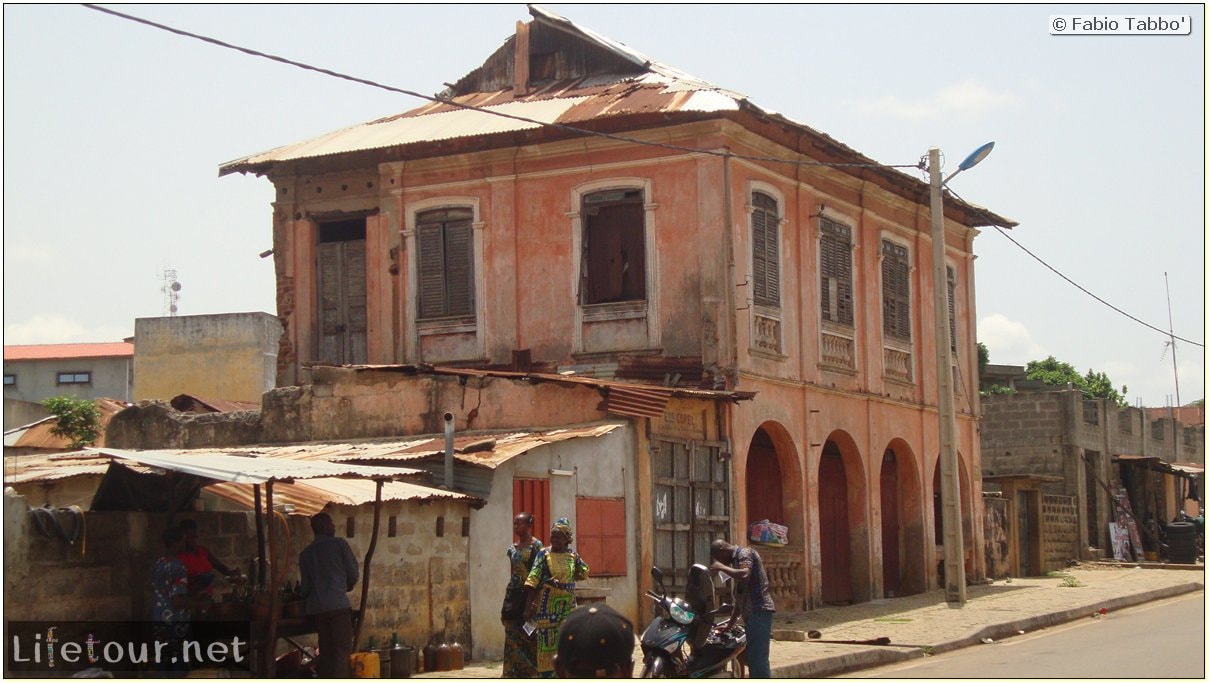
pixel 775 491
pixel 843 524
pixel 891 530
pixel 967 537
pixel 764 481
pixel 904 567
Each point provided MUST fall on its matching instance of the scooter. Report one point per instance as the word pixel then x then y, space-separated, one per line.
pixel 683 641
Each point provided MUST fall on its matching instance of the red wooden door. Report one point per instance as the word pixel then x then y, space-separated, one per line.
pixel 891 569
pixel 764 483
pixel 833 529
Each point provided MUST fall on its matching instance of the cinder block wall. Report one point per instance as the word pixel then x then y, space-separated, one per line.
pixel 1060 532
pixel 1022 433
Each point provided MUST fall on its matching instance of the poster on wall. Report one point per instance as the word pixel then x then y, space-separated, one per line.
pixel 1120 541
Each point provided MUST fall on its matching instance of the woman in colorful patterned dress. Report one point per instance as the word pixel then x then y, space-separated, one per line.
pixel 520 650
pixel 552 579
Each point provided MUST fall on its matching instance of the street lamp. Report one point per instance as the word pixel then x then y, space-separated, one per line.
pixel 950 486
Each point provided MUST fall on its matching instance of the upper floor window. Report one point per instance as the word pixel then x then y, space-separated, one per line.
pixel 896 291
pixel 73 378
pixel 835 267
pixel 614 247
pixel 10 380
pixel 445 247
pixel 951 277
pixel 765 251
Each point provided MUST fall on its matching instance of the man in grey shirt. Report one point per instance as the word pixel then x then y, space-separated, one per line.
pixel 329 572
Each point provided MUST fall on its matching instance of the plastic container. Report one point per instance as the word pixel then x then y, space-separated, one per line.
pixel 365 665
pixel 457 656
pixel 430 658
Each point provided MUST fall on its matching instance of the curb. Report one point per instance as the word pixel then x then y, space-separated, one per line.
pixel 883 655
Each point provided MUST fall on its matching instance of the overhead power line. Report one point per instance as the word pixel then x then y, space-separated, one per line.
pixel 452 103
pixel 1085 291
pixel 609 136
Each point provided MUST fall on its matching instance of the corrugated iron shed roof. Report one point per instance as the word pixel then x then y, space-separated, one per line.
pixel 251 470
pixel 489 450
pixel 311 496
pixel 55 351
pixel 38 434
pixel 190 403
pixel 654 88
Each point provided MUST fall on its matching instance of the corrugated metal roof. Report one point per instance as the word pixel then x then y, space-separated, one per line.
pixel 660 89
pixel 54 351
pixel 251 470
pixel 311 496
pixel 38 434
pixel 190 403
pixel 489 450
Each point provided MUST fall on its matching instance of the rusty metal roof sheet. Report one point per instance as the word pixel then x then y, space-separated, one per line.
pixel 489 449
pixel 190 403
pixel 251 470
pixel 311 496
pixel 38 434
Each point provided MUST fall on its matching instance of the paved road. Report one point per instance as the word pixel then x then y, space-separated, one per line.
pixel 1164 639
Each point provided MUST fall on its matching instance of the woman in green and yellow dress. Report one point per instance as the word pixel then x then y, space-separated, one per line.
pixel 552 581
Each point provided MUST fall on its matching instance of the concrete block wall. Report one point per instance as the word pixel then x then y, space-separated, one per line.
pixel 419 581
pixel 1059 531
pixel 1022 433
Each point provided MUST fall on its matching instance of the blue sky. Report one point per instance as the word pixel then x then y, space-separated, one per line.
pixel 113 134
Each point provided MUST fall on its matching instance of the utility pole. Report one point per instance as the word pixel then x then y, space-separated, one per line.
pixel 950 486
pixel 1171 332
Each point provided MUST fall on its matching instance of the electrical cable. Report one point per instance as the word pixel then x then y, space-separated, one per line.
pixel 471 107
pixel 1076 284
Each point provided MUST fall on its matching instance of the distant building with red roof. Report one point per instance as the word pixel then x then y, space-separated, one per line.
pixel 36 372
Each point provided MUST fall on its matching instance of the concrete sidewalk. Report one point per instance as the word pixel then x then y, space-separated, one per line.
pixel 924 624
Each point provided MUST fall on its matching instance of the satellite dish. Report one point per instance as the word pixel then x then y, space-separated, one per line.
pixel 176 286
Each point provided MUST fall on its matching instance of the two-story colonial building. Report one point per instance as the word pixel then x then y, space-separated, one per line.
pixel 574 203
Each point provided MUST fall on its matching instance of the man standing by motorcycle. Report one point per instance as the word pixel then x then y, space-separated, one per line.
pixel 752 599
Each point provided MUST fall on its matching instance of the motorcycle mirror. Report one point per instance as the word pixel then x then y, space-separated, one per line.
pixel 658 576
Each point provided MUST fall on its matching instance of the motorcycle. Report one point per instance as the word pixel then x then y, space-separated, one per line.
pixel 683 641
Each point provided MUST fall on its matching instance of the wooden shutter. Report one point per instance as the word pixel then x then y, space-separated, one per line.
pixel 600 536
pixel 896 291
pixel 343 319
pixel 356 314
pixel 329 303
pixel 765 225
pixel 835 247
pixel 445 243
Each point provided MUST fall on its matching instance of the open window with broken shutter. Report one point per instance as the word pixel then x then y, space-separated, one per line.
pixel 765 251
pixel 896 291
pixel 835 261
pixel 614 247
pixel 445 244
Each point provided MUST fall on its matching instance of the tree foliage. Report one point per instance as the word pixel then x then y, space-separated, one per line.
pixel 77 419
pixel 1092 384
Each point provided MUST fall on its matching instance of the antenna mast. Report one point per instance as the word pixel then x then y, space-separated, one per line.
pixel 171 290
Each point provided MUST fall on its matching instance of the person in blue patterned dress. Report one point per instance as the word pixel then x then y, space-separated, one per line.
pixel 520 650
pixel 171 606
